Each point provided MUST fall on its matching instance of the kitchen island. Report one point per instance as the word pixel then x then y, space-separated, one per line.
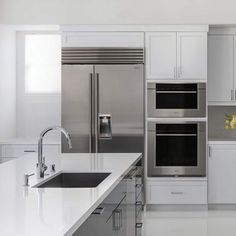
pixel 56 211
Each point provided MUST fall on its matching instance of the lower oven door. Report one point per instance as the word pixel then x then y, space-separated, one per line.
pixel 176 148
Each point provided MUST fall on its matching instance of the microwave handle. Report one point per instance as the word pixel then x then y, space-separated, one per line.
pixel 176 92
pixel 177 135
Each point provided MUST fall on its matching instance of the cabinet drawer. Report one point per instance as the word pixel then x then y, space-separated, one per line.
pixel 177 194
pixel 14 151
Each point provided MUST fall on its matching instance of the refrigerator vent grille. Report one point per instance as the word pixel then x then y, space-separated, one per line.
pixel 76 55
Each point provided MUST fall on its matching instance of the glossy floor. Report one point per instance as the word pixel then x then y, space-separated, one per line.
pixel 189 223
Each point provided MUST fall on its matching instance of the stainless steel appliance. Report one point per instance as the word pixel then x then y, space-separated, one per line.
pixel 102 99
pixel 176 99
pixel 176 148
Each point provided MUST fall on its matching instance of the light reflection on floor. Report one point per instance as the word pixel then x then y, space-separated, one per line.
pixel 190 223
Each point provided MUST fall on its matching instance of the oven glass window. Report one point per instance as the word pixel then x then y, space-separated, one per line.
pixel 176 145
pixel 176 96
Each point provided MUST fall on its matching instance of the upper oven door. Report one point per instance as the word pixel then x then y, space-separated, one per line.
pixel 176 148
pixel 176 99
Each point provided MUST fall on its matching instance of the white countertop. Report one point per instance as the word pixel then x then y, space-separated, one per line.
pixel 212 141
pixel 55 211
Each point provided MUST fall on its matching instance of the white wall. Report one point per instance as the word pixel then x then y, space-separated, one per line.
pixel 7 82
pixel 118 12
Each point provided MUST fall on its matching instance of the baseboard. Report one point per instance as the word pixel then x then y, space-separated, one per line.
pixel 221 207
pixel 179 207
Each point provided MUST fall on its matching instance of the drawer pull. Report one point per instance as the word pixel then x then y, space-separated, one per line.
pixel 27 151
pixel 139 225
pixel 98 211
pixel 117 220
pixel 139 203
pixel 177 193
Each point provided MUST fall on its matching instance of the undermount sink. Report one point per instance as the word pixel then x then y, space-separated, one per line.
pixel 74 180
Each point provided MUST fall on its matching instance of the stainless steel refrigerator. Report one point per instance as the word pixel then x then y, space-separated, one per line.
pixel 103 99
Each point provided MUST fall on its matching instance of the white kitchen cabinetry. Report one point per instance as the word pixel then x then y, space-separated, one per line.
pixel 176 192
pixel 161 55
pixel 192 55
pixel 11 151
pixel 221 80
pixel 222 174
pixel 102 39
pixel 176 55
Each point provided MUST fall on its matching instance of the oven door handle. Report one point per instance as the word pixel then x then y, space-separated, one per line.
pixel 191 92
pixel 177 135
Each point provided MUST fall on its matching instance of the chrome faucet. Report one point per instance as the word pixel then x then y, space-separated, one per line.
pixel 41 167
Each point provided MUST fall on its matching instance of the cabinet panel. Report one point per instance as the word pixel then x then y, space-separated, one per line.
pixel 161 55
pixel 192 55
pixel 177 193
pixel 103 39
pixel 14 151
pixel 222 174
pixel 220 68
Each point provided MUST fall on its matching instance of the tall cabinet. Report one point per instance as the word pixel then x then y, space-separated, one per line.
pixel 221 67
pixel 176 55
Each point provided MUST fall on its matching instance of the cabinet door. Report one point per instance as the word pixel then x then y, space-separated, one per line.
pixel 222 174
pixel 192 55
pixel 220 68
pixel 160 55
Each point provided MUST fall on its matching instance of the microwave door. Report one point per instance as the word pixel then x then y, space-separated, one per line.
pixel 120 108
pixel 76 106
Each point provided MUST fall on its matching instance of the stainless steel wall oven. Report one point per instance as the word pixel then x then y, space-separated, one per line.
pixel 176 99
pixel 176 148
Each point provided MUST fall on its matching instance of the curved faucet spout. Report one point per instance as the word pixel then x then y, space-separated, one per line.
pixel 41 167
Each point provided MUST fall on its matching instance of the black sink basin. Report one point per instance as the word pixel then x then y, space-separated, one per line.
pixel 75 180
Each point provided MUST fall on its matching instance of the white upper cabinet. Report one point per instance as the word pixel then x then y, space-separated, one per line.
pixel 192 55
pixel 161 55
pixel 176 55
pixel 221 68
pixel 102 39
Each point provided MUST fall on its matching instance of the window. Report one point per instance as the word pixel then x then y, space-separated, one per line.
pixel 42 63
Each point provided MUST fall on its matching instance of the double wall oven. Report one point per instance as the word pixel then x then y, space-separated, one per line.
pixel 177 137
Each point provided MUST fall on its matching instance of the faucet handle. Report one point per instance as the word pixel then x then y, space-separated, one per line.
pixel 52 168
pixel 26 179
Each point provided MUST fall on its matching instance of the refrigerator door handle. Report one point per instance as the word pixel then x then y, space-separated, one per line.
pixel 91 111
pixel 96 110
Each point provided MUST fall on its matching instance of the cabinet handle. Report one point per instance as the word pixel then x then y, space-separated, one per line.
pixel 117 219
pixel 98 211
pixel 139 225
pixel 232 94
pixel 177 193
pixel 29 151
pixel 209 151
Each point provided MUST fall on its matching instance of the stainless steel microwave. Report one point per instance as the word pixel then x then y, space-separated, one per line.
pixel 176 148
pixel 176 99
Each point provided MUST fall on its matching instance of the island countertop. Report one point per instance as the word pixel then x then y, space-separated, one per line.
pixel 31 211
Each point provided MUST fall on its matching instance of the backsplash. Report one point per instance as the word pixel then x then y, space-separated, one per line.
pixel 220 124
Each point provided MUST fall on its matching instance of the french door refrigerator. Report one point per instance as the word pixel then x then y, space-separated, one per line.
pixel 102 99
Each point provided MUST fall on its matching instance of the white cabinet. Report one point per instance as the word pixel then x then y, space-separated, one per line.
pixel 176 192
pixel 221 80
pixel 102 39
pixel 192 55
pixel 222 174
pixel 161 55
pixel 176 55
pixel 11 151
